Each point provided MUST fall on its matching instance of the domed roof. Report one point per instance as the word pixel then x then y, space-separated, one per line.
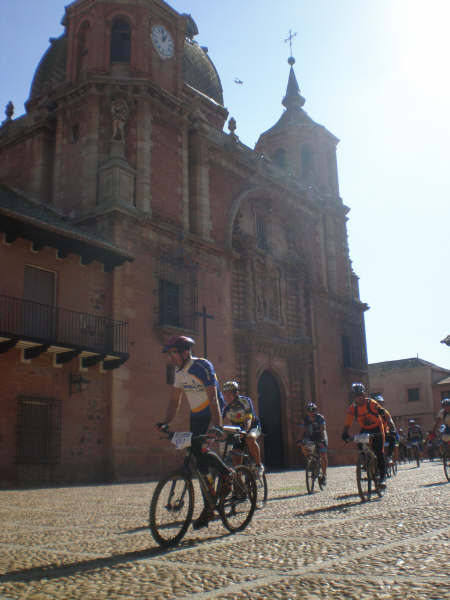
pixel 198 70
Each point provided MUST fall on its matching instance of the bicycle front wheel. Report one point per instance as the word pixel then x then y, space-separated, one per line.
pixel 237 499
pixel 261 490
pixel 310 474
pixel 363 478
pixel 171 509
pixel 446 463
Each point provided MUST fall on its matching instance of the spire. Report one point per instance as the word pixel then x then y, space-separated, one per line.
pixel 293 99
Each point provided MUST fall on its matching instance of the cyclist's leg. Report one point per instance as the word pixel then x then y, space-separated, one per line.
pixel 378 448
pixel 323 453
pixel 251 440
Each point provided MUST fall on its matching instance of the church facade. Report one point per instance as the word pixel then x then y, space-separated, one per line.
pixel 131 211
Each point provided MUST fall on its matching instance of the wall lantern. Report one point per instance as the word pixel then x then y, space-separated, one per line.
pixel 77 384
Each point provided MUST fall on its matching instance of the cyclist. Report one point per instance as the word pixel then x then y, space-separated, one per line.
pixel 369 414
pixel 390 430
pixel 443 419
pixel 415 435
pixel 195 380
pixel 240 412
pixel 314 430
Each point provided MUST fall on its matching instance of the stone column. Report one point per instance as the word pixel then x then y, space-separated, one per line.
pixel 143 158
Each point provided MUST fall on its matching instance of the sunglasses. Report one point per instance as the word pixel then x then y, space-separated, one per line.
pixel 173 352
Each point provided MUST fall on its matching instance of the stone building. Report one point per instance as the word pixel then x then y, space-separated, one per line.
pixel 128 212
pixel 412 389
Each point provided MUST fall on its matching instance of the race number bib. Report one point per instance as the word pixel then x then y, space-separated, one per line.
pixel 181 439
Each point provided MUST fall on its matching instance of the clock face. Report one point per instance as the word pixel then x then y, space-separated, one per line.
pixel 162 41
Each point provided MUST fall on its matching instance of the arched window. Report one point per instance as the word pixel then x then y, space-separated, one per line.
pixel 82 48
pixel 279 158
pixel 307 158
pixel 120 40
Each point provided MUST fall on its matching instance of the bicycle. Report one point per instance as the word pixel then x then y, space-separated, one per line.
pixel 313 469
pixel 172 504
pixel 414 452
pixel 367 472
pixel 234 434
pixel 446 459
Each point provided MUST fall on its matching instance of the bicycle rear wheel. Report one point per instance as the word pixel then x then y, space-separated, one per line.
pixel 171 509
pixel 446 463
pixel 363 478
pixel 310 474
pixel 237 502
pixel 417 455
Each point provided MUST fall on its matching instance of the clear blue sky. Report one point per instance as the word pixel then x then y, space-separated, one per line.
pixel 374 73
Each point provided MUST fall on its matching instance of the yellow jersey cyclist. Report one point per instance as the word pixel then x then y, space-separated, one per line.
pixel 314 430
pixel 239 411
pixel 195 380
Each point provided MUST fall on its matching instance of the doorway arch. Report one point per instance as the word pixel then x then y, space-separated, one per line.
pixel 269 402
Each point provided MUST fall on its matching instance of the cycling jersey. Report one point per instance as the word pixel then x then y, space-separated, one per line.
pixel 445 417
pixel 314 426
pixel 386 417
pixel 240 411
pixel 415 434
pixel 193 378
pixel 368 415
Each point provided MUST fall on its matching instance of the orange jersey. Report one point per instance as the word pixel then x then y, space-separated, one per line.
pixel 368 415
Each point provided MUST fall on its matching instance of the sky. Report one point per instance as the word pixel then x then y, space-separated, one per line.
pixel 375 74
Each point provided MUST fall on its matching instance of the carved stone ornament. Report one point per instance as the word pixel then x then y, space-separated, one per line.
pixel 119 115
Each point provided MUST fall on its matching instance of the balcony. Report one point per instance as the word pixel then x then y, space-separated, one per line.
pixel 36 328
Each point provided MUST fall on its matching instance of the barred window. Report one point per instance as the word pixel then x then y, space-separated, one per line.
pixel 176 290
pixel 38 431
pixel 261 234
pixel 169 303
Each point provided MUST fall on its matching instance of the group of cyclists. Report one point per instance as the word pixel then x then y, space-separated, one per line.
pixel 196 380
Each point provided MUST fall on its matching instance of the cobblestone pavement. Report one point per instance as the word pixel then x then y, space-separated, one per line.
pixel 93 543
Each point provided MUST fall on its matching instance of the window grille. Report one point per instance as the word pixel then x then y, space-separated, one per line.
pixel 261 234
pixel 38 431
pixel 176 291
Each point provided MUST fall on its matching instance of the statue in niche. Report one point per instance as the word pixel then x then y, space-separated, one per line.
pixel 119 115
pixel 268 296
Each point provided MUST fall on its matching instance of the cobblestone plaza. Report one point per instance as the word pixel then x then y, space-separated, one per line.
pixel 93 543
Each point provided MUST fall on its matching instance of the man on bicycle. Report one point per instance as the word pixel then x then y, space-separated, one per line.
pixel 390 430
pixel 443 419
pixel 368 413
pixel 195 380
pixel 240 412
pixel 314 430
pixel 415 435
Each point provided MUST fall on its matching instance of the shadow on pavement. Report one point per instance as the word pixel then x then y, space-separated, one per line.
pixel 327 509
pixel 56 571
pixel 428 485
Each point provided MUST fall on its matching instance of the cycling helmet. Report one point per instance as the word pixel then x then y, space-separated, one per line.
pixel 311 407
pixel 358 389
pixel 379 398
pixel 411 421
pixel 230 386
pixel 445 401
pixel 180 342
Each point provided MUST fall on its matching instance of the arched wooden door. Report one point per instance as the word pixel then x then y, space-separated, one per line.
pixel 269 400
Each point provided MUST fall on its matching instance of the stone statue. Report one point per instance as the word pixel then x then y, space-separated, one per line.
pixel 119 114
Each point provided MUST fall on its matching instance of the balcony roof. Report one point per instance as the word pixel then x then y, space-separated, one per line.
pixel 44 226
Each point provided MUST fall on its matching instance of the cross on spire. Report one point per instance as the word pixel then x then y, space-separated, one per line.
pixel 289 39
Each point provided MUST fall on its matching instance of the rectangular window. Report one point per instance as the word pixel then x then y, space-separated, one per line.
pixel 38 431
pixel 261 237
pixel 413 394
pixel 39 313
pixel 346 351
pixel 169 303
